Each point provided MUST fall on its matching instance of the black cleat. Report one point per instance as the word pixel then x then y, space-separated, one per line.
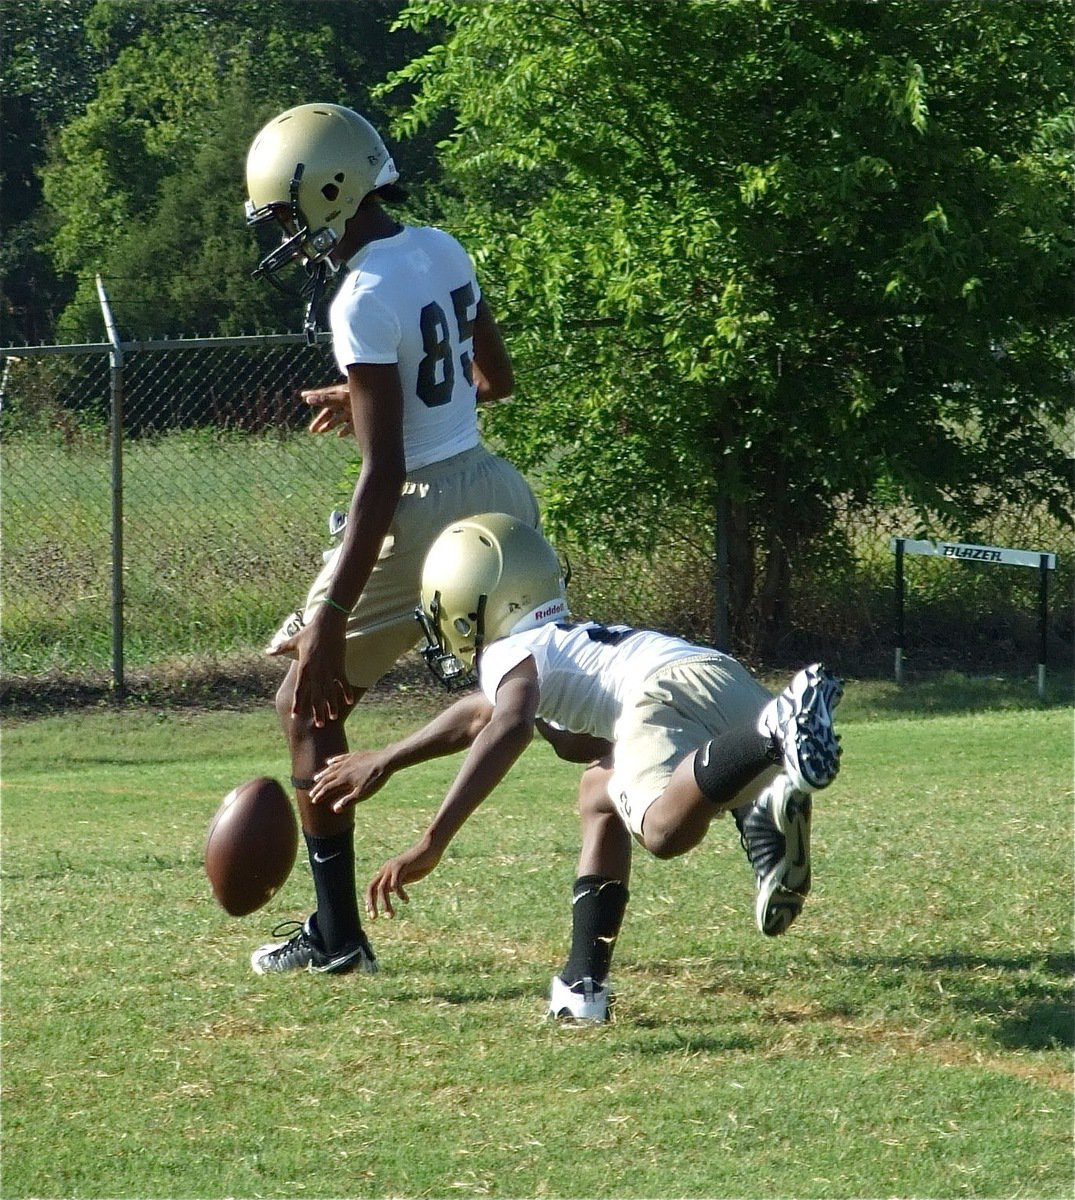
pixel 303 951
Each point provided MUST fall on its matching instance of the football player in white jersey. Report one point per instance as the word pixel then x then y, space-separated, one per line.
pixel 676 733
pixel 419 348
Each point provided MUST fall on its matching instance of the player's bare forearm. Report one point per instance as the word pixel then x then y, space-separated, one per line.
pixel 321 687
pixel 377 416
pixel 507 732
pixel 447 733
pixel 369 517
pixel 348 779
pixel 503 737
pixel 492 755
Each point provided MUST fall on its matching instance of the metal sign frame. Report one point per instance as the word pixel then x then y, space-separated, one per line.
pixel 1045 561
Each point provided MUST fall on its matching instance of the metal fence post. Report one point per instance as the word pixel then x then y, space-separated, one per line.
pixel 897 545
pixel 1043 621
pixel 115 359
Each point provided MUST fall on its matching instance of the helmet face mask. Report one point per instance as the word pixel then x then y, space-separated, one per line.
pixel 483 579
pixel 448 671
pixel 299 240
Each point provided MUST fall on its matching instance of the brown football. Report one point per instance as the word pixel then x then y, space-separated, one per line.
pixel 251 845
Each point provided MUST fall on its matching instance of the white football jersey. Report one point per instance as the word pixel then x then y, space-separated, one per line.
pixel 411 299
pixel 585 672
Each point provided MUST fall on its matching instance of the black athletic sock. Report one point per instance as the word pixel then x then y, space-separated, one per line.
pixel 597 909
pixel 332 862
pixel 728 762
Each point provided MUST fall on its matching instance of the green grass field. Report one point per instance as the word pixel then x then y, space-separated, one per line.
pixel 910 1036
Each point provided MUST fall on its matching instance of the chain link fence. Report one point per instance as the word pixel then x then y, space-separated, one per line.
pixel 198 527
pixel 182 543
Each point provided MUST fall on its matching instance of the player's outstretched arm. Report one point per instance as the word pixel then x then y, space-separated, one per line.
pixel 508 732
pixel 348 779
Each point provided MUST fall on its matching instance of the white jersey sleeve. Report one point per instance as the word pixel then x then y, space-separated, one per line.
pixel 368 332
pixel 497 660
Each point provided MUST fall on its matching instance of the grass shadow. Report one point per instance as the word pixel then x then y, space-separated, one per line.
pixel 657 1038
pixel 1032 1007
pixel 952 693
pixel 483 992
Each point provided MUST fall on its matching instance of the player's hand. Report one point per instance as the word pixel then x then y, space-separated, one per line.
pixel 410 866
pixel 321 688
pixel 348 779
pixel 333 404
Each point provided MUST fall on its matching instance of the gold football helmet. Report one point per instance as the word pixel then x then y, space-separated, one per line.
pixel 484 578
pixel 309 169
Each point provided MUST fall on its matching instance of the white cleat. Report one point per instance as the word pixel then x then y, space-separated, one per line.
pixel 799 721
pixel 584 1003
pixel 776 836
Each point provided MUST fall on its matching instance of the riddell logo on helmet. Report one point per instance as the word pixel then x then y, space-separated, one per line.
pixel 553 610
pixel 549 610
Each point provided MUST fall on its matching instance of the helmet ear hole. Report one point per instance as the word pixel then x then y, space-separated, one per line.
pixel 330 191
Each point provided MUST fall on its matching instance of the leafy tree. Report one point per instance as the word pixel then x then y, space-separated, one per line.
pixel 146 185
pixel 47 74
pixel 763 257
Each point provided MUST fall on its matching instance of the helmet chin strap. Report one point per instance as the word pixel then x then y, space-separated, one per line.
pixel 293 192
pixel 479 627
pixel 319 272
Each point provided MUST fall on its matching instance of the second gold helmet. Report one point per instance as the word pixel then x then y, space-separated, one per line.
pixel 484 578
